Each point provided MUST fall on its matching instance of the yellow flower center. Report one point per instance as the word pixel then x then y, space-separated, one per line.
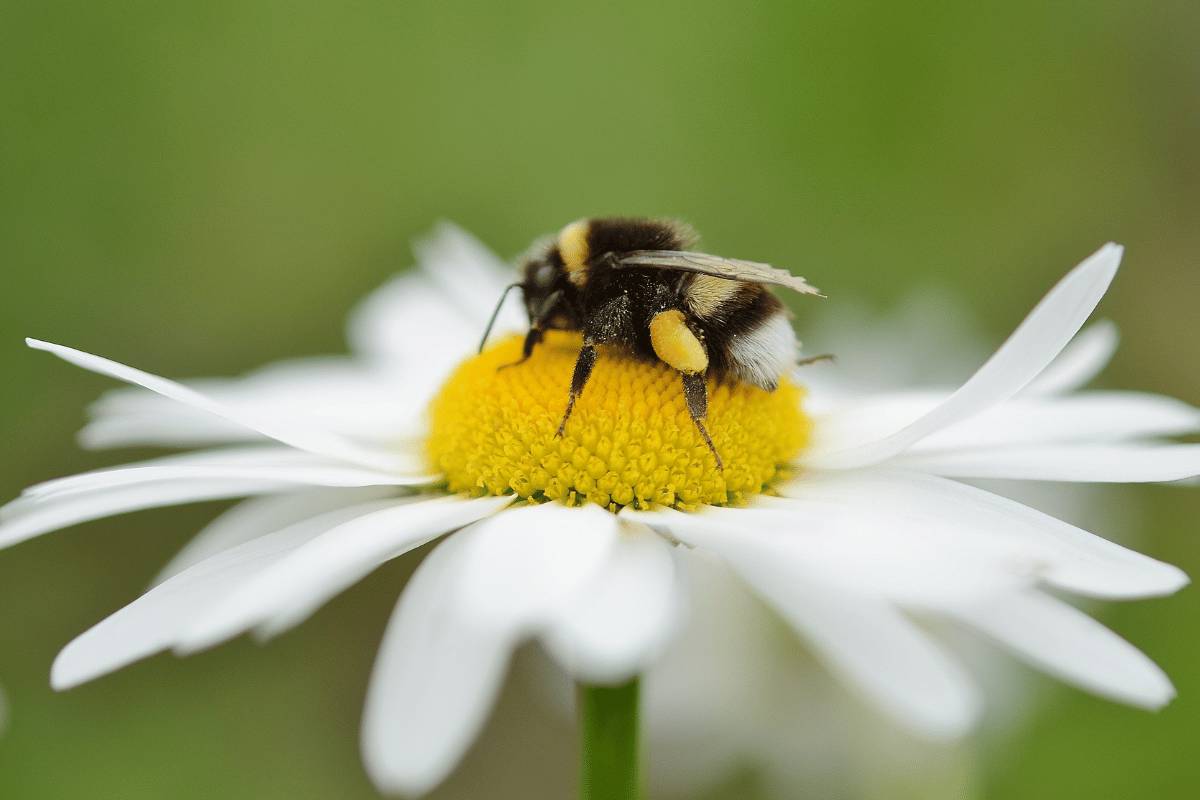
pixel 630 439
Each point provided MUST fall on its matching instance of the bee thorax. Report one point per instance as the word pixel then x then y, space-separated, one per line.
pixel 707 296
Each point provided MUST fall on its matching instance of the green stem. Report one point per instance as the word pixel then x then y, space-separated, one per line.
pixel 610 742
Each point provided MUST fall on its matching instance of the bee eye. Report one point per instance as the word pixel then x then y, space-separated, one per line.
pixel 544 276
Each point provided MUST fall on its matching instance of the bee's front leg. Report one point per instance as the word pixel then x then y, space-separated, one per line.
pixel 611 322
pixel 532 338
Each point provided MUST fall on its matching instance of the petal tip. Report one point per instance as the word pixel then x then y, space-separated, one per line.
pixel 1108 258
pixel 1109 252
pixel 948 722
pixel 64 675
pixel 1153 697
pixel 442 237
pixel 391 777
pixel 1174 579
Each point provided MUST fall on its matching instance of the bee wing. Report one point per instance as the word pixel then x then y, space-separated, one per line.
pixel 733 269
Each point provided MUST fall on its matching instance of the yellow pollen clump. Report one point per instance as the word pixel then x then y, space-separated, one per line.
pixel 630 439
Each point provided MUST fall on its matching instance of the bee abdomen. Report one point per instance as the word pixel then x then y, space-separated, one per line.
pixel 762 354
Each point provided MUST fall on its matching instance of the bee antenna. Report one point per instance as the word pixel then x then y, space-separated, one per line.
pixel 495 314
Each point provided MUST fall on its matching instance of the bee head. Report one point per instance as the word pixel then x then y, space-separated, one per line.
pixel 546 286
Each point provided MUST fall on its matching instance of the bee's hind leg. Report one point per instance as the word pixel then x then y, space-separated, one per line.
pixel 532 338
pixel 583 371
pixel 695 392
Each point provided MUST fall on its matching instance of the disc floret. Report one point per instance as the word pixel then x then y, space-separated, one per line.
pixel 630 440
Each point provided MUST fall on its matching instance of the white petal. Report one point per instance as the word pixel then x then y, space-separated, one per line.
pixel 310 439
pixel 473 599
pixel 290 590
pixel 177 426
pixel 525 564
pixel 618 629
pixel 1031 347
pixel 875 649
pixel 259 516
pixel 24 520
pixel 434 681
pixel 864 640
pixel 369 402
pixel 1084 463
pixel 454 293
pixel 859 549
pixel 1080 361
pixel 394 323
pixel 1063 641
pixel 1061 554
pixel 1087 417
pixel 865 418
pixel 253 455
pixel 467 271
pixel 1090 417
pixel 318 472
pixel 153 622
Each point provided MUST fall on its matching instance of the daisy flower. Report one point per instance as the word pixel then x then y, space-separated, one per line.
pixel 868 536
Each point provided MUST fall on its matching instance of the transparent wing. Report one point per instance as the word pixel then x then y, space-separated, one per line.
pixel 731 268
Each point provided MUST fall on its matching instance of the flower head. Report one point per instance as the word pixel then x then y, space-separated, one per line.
pixel 866 529
pixel 631 441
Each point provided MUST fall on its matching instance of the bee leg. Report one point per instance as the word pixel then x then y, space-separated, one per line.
pixel 804 362
pixel 675 343
pixel 532 338
pixel 695 392
pixel 583 371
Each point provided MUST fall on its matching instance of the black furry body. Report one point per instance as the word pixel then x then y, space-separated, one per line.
pixel 615 305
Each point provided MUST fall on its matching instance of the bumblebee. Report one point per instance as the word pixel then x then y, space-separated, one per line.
pixel 633 283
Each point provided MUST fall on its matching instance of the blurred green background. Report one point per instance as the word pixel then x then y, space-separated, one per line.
pixel 200 188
